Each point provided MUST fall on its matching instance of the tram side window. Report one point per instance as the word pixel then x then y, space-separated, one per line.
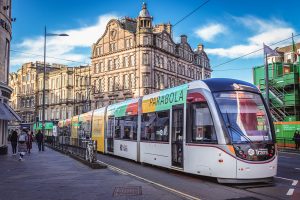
pixel 202 124
pixel 126 127
pixel 155 126
pixel 110 127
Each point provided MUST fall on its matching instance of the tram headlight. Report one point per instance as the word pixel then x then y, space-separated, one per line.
pixel 251 152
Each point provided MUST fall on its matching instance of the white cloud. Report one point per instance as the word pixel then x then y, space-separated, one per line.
pixel 210 31
pixel 265 31
pixel 62 47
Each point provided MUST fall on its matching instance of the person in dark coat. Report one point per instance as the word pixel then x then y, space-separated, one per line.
pixel 39 139
pixel 29 142
pixel 14 141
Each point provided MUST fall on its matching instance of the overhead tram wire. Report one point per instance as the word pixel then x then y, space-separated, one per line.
pixel 189 14
pixel 80 62
pixel 39 55
pixel 247 54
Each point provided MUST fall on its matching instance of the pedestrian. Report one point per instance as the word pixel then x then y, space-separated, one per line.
pixel 29 141
pixel 39 139
pixel 14 141
pixel 22 141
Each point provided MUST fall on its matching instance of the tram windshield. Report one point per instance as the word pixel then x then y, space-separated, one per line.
pixel 245 116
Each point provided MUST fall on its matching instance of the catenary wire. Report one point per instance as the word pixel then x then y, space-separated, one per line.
pixel 189 14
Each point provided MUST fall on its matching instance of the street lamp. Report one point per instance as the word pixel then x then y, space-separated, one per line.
pixel 44 81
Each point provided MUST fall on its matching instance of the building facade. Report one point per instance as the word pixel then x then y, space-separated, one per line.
pixel 134 58
pixel 82 89
pixel 60 102
pixel 6 113
pixel 59 93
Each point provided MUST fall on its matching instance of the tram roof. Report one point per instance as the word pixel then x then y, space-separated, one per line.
pixel 228 84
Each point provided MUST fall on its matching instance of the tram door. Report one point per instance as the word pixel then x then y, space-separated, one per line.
pixel 177 136
pixel 110 134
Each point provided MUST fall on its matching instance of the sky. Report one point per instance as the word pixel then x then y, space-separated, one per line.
pixel 227 28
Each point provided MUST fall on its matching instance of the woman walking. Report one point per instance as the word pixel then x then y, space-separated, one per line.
pixel 22 147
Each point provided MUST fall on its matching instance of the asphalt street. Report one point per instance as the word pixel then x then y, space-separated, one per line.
pixel 285 183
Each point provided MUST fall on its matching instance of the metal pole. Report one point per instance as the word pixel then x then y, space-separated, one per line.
pixel 44 82
pixel 267 81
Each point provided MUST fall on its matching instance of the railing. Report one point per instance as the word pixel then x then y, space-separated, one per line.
pixel 83 148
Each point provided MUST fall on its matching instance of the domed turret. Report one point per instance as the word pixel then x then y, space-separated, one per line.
pixel 144 12
pixel 144 20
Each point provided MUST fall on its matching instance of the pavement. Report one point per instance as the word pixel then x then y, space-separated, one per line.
pixel 52 175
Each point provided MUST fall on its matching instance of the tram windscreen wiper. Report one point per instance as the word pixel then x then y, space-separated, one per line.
pixel 229 125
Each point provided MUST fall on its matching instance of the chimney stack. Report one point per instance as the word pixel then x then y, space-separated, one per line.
pixel 200 47
pixel 183 38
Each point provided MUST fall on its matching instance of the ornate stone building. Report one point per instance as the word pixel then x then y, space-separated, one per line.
pixel 6 113
pixel 62 82
pixel 59 93
pixel 82 89
pixel 134 57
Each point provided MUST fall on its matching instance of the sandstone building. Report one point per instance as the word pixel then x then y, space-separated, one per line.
pixel 134 57
pixel 6 113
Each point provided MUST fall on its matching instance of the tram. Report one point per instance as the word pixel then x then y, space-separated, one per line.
pixel 216 127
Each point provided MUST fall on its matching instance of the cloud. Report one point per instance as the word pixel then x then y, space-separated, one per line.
pixel 74 47
pixel 265 31
pixel 210 31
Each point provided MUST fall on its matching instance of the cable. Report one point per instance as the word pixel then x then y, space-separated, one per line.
pixel 48 56
pixel 253 51
pixel 232 69
pixel 191 13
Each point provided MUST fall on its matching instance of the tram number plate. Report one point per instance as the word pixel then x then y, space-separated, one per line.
pixel 261 152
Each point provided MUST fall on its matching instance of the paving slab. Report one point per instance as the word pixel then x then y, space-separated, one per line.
pixel 52 175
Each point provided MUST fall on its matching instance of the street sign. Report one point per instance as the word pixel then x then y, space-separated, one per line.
pixel 54 131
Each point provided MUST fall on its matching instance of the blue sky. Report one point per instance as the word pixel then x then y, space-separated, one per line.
pixel 227 28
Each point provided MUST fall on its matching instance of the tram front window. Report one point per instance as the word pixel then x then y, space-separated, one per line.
pixel 245 116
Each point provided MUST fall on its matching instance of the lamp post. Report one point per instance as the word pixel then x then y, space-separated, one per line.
pixel 44 81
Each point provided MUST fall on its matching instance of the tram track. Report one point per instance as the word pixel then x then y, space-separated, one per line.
pixel 130 168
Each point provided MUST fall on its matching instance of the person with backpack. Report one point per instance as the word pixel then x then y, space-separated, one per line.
pixel 22 141
pixel 14 141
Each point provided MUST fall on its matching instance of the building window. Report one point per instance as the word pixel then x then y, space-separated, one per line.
pixel 145 80
pixel 125 81
pixel 131 61
pixel 146 59
pixel 145 40
pixel 110 84
pixel 96 68
pixel 101 85
pixel 131 81
pixel 112 47
pixel 116 63
pixel 116 83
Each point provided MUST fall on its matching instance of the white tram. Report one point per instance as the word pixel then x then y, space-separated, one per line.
pixel 216 127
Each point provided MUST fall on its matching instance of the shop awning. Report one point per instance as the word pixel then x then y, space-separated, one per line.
pixel 6 113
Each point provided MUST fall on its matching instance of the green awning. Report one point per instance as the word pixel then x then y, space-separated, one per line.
pixel 48 126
